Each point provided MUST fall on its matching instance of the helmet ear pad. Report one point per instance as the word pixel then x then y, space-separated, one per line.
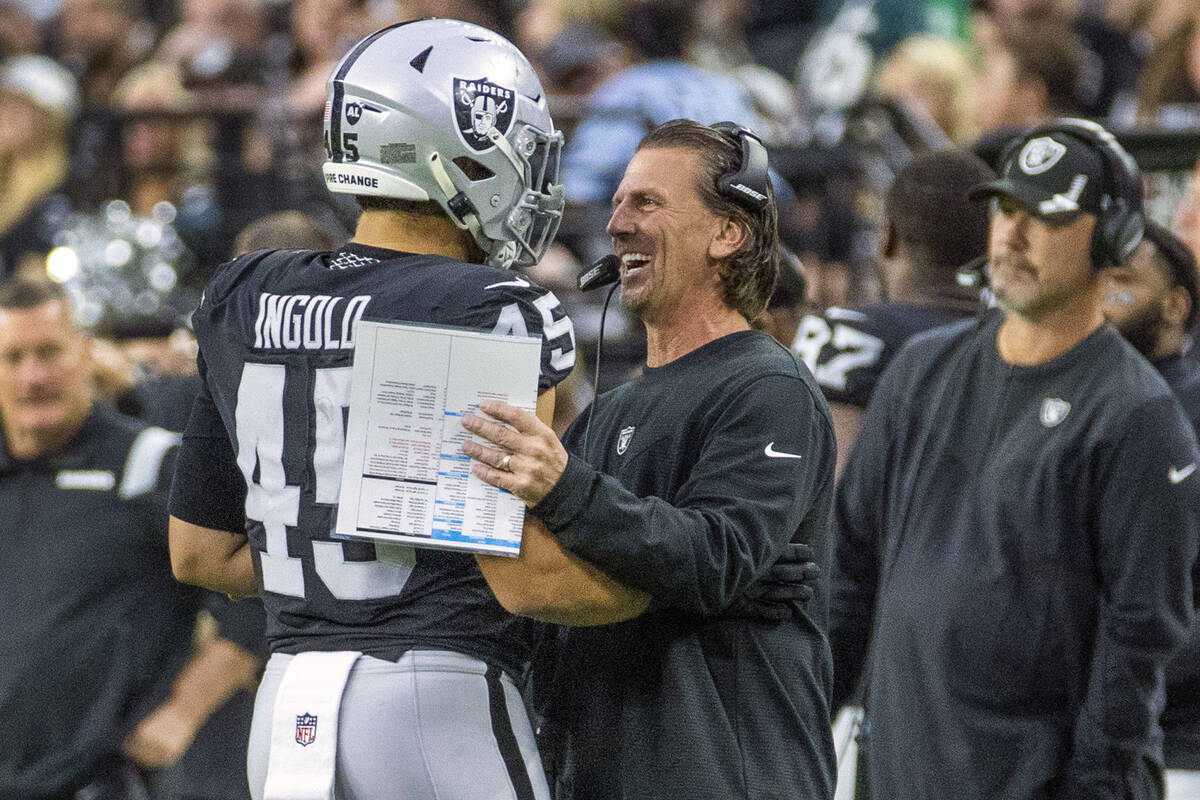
pixel 1121 220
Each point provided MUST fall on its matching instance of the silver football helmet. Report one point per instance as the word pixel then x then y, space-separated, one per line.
pixel 448 111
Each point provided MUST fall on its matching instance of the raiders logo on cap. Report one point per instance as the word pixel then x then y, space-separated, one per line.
pixel 479 106
pixel 1040 154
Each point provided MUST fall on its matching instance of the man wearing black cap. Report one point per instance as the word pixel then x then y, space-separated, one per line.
pixel 1154 300
pixel 1018 520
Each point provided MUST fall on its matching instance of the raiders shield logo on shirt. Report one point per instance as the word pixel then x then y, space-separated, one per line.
pixel 479 106
pixel 1054 411
pixel 1040 154
pixel 623 440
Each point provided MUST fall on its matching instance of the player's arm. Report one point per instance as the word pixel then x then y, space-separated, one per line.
pixel 214 673
pixel 207 535
pixel 215 559
pixel 549 584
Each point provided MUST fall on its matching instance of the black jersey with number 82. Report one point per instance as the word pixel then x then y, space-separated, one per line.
pixel 847 349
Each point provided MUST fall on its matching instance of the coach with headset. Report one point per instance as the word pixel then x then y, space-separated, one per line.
pixel 1017 523
pixel 685 484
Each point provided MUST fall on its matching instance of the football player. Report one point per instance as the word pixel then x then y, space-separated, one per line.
pixel 403 659
pixel 931 231
pixel 1154 300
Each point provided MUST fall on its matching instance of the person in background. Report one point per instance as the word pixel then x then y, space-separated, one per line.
pixel 663 84
pixel 38 104
pixel 931 230
pixel 1029 75
pixel 100 685
pixel 1018 521
pixel 1154 299
pixel 934 79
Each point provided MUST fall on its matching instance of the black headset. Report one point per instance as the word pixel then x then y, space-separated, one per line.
pixel 1120 222
pixel 748 185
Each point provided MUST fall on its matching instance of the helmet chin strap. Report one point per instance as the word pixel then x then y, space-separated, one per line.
pixel 498 254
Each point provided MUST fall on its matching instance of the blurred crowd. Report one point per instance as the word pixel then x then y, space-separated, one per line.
pixel 137 139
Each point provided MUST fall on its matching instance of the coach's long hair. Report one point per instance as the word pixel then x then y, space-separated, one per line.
pixel 748 276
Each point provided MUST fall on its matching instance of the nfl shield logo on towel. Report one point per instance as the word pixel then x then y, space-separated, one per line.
pixel 306 729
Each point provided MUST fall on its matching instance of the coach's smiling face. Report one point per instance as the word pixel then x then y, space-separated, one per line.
pixel 667 240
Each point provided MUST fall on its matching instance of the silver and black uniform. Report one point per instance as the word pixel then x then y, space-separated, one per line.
pixel 263 449
pixel 688 484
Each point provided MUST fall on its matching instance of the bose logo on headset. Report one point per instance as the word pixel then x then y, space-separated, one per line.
pixel 748 185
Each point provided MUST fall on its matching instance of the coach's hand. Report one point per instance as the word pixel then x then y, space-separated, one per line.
pixel 790 580
pixel 527 459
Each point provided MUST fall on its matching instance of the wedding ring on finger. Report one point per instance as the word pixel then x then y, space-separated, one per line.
pixel 504 462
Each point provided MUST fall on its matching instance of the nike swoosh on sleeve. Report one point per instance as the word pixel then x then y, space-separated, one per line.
pixel 517 282
pixel 1177 475
pixel 773 453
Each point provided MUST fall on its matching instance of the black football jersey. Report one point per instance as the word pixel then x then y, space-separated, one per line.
pixel 275 330
pixel 847 349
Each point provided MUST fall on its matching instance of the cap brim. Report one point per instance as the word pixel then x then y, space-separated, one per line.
pixel 1029 195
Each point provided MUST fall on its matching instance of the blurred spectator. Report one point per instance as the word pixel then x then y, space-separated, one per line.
pixel 664 85
pixel 38 102
pixel 778 30
pixel 784 310
pixel 99 41
pixel 580 57
pixel 283 230
pixel 322 31
pixel 1169 92
pixel 848 349
pixel 1187 215
pixel 19 32
pixel 1031 73
pixel 720 45
pixel 102 682
pixel 1110 57
pixel 933 78
pixel 167 161
pixel 216 42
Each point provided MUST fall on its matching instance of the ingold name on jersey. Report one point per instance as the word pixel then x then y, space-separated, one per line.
pixel 307 321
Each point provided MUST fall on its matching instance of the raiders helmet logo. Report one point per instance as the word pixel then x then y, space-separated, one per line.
pixel 1040 154
pixel 479 106
pixel 353 113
